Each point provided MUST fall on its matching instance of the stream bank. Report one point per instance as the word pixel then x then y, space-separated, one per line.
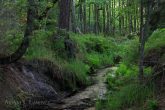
pixel 85 99
pixel 29 85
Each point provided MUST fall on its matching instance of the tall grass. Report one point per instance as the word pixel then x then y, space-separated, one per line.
pixel 129 96
pixel 97 51
pixel 124 91
pixel 93 51
pixel 76 72
pixel 97 60
pixel 156 41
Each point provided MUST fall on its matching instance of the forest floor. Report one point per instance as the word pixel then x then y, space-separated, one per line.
pixel 85 99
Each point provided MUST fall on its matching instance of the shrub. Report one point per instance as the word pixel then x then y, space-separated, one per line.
pixel 151 104
pixel 130 95
pixel 76 71
pixel 156 41
pixel 58 47
pixel 106 59
pixel 131 71
pixel 113 82
pixel 12 41
pixel 123 75
pixel 40 46
pixel 93 60
pixel 92 43
pixel 126 71
pixel 97 60
pixel 129 51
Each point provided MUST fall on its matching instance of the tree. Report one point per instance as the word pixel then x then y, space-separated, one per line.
pixel 146 31
pixel 31 15
pixel 141 46
pixel 73 23
pixel 64 16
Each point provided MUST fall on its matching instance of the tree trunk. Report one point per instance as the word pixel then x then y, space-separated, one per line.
pixel 81 14
pixel 96 19
pixel 73 16
pixel 31 15
pixel 89 19
pixel 84 16
pixel 104 19
pixel 120 18
pixel 141 46
pixel 64 17
pixel 123 30
pixel 108 20
pixel 114 26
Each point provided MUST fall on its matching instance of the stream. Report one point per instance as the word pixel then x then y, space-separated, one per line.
pixel 85 99
pixel 38 91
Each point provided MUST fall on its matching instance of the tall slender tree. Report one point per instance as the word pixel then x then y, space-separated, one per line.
pixel 31 16
pixel 64 16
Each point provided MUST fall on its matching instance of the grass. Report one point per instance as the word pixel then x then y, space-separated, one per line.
pixel 93 51
pixel 124 75
pixel 128 50
pixel 40 46
pixel 91 43
pixel 156 41
pixel 97 60
pixel 127 97
pixel 124 90
pixel 97 51
pixel 76 72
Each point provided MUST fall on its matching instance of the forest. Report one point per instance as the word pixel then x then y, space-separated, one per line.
pixel 82 55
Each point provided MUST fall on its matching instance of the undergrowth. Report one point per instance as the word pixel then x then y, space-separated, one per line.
pixel 96 51
pixel 125 92
pixel 156 41
pixel 92 51
pixel 130 95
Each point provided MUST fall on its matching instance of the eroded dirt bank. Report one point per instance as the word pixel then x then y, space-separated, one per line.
pixel 31 82
pixel 85 99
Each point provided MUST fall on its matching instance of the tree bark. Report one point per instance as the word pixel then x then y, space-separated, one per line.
pixel 64 17
pixel 96 19
pixel 104 19
pixel 73 17
pixel 84 17
pixel 89 18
